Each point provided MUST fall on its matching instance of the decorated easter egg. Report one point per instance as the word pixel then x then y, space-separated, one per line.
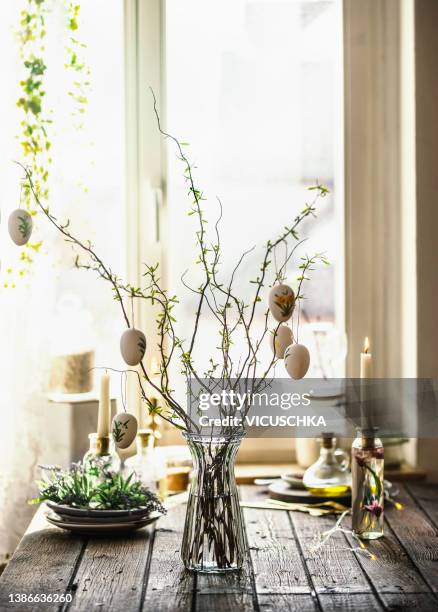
pixel 133 346
pixel 281 338
pixel 20 226
pixel 124 429
pixel 296 360
pixel 281 302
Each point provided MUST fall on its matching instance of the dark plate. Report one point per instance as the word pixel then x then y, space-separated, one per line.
pixel 96 529
pixel 81 512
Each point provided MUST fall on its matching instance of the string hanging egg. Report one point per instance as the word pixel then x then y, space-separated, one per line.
pixel 124 429
pixel 20 226
pixel 281 302
pixel 281 338
pixel 296 361
pixel 133 346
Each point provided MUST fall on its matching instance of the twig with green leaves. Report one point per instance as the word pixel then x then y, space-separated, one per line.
pixel 219 298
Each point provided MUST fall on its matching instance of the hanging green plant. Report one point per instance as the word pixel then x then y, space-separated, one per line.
pixel 76 63
pixel 37 116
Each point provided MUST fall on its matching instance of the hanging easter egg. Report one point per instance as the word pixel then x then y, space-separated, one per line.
pixel 281 302
pixel 124 429
pixel 20 226
pixel 296 361
pixel 281 338
pixel 133 346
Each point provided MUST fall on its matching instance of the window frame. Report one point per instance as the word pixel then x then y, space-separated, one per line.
pixel 374 220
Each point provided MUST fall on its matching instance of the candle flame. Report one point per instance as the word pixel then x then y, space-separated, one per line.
pixel 366 345
pixel 398 505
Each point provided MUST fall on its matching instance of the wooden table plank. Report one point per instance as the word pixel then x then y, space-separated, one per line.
pixel 346 602
pixel 44 562
pixel 275 556
pixel 409 601
pixel 423 602
pixel 111 573
pixel 334 568
pixel 286 602
pixel 418 536
pixel 282 573
pixel 392 570
pixel 426 496
pixel 169 586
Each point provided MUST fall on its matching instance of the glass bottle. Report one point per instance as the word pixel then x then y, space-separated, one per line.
pixel 367 485
pixel 329 476
pixel 142 463
pixel 101 457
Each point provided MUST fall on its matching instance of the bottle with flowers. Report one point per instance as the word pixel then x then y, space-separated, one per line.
pixel 367 485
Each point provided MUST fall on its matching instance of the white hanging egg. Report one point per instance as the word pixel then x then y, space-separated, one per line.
pixel 20 226
pixel 280 340
pixel 124 429
pixel 133 346
pixel 296 361
pixel 281 302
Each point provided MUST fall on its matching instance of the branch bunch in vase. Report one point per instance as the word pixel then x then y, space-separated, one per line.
pixel 213 540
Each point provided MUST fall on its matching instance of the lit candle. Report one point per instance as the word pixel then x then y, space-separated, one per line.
pixel 103 419
pixel 366 361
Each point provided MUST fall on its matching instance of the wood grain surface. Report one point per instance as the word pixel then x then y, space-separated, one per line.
pixel 283 570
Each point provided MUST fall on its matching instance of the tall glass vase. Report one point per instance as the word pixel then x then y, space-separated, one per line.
pixel 214 539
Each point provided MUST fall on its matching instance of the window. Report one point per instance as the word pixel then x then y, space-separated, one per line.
pixel 256 89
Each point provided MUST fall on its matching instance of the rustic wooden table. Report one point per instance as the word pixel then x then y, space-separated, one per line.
pixel 144 571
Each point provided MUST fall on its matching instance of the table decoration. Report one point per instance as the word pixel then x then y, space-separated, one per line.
pixel 81 503
pixel 124 425
pixel 329 476
pixel 280 340
pixel 20 226
pixel 101 528
pixel 124 429
pixel 142 463
pixel 367 485
pixel 213 540
pixel 101 456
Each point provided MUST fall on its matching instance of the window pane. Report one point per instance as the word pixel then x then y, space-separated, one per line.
pixel 255 87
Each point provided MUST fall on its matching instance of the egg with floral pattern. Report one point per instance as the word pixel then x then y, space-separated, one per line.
pixel 281 302
pixel 281 338
pixel 296 361
pixel 133 346
pixel 20 226
pixel 124 429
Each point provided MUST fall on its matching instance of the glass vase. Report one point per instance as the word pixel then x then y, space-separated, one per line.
pixel 367 486
pixel 214 539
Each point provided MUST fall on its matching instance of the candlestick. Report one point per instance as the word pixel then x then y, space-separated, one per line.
pixel 104 414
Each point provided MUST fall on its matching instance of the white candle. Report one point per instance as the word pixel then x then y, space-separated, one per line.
pixel 104 415
pixel 366 361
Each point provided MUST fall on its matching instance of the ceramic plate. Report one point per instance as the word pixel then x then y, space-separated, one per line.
pixel 101 528
pixel 85 512
pixel 294 481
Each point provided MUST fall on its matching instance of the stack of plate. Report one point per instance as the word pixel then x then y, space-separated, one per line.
pixel 99 522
